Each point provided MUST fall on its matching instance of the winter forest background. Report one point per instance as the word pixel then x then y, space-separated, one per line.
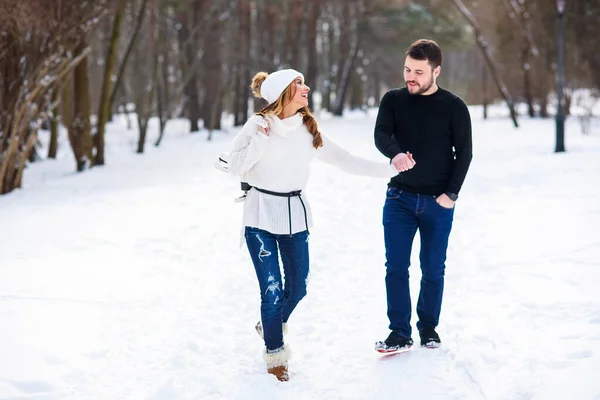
pixel 75 63
pixel 121 271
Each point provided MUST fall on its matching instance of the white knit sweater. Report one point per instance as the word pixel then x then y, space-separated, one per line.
pixel 280 163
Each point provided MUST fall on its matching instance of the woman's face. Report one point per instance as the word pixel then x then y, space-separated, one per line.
pixel 300 98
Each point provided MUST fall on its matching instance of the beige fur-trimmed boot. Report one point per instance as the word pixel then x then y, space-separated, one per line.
pixel 277 362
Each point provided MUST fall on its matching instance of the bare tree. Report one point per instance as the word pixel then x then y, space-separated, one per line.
pixel 350 44
pixel 144 78
pixel 139 20
pixel 80 129
pixel 312 20
pixel 40 44
pixel 110 62
pixel 162 82
pixel 188 44
pixel 242 58
pixel 54 114
pixel 519 17
pixel 483 46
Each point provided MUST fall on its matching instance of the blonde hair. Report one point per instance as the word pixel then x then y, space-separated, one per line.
pixel 276 108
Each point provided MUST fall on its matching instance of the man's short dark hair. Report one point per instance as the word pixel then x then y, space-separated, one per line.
pixel 425 49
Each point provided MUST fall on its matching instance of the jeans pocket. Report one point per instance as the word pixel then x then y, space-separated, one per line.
pixel 393 193
pixel 441 206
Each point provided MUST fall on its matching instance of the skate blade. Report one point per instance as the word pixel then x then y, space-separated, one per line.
pixel 258 328
pixel 401 350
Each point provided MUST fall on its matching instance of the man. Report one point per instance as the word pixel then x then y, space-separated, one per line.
pixel 432 125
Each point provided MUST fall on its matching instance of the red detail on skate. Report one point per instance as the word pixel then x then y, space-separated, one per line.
pixel 390 352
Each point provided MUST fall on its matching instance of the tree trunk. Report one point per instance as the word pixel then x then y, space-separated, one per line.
pixel 162 82
pixel 340 97
pixel 29 148
pixel 294 24
pixel 66 102
pixel 213 79
pixel 53 146
pixel 33 154
pixel 143 126
pixel 328 55
pixel 357 91
pixel 138 25
pixel 544 107
pixel 245 22
pixel 483 46
pixel 311 42
pixel 343 54
pixel 268 21
pixel 160 109
pixel 80 134
pixel 527 92
pixel 217 111
pixel 520 17
pixel 484 84
pixel 109 66
pixel 376 86
pixel 237 94
pixel 273 12
pixel 242 71
pixel 192 104
pixel 568 97
pixel 145 98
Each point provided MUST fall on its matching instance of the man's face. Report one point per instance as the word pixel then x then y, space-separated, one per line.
pixel 419 76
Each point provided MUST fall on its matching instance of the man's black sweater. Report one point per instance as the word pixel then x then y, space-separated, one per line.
pixel 436 129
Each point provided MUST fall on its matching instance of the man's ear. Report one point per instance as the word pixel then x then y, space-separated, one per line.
pixel 436 71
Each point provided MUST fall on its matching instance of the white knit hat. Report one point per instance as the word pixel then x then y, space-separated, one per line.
pixel 275 83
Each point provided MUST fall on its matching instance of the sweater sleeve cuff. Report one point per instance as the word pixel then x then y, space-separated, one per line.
pixel 393 170
pixel 453 188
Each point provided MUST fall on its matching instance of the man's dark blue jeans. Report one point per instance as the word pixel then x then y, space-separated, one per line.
pixel 403 214
pixel 278 297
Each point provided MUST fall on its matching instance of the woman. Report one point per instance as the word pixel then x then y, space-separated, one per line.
pixel 272 153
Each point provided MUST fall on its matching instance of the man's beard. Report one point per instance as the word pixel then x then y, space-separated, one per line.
pixel 421 89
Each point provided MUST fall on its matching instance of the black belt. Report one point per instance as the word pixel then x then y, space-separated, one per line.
pixel 289 195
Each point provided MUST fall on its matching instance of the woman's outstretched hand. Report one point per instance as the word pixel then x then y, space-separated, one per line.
pixel 404 161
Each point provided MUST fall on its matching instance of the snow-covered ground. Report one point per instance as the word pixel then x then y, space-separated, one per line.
pixel 127 282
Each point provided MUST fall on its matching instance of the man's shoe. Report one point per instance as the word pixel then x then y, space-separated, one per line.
pixel 430 338
pixel 395 343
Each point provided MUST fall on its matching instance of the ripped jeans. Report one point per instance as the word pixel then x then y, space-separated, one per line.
pixel 278 300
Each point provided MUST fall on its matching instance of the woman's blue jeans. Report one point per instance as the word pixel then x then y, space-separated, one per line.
pixel 279 297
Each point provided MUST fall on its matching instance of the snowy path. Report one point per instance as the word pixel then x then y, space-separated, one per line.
pixel 128 283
